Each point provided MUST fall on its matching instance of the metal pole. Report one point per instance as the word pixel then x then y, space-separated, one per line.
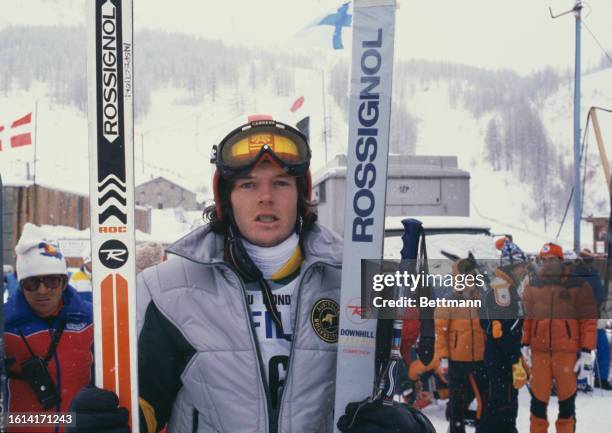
pixel 324 114
pixel 577 191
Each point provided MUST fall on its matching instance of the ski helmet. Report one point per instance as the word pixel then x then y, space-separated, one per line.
pixel 259 139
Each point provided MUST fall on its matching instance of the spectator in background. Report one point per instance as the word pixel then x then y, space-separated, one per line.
pixel 460 350
pixel 585 269
pixel 48 331
pixel 560 330
pixel 502 321
pixel 11 285
pixel 148 254
pixel 81 280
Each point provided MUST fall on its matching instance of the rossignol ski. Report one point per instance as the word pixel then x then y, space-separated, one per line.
pixel 366 187
pixel 111 180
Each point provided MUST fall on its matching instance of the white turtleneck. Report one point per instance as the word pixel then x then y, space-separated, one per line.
pixel 270 259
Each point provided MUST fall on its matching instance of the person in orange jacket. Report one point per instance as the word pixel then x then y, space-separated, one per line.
pixel 460 348
pixel 560 329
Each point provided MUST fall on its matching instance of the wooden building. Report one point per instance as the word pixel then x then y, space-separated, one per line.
pixel 41 205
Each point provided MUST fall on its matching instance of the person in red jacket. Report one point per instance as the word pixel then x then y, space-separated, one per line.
pixel 48 333
pixel 560 329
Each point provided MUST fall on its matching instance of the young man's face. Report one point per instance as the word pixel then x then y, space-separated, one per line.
pixel 264 204
pixel 44 299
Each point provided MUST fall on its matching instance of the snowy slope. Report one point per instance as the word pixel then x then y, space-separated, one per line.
pixel 558 118
pixel 496 197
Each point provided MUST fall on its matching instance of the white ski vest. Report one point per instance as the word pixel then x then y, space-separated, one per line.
pixel 222 385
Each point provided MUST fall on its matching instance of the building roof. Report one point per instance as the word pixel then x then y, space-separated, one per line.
pixel 163 178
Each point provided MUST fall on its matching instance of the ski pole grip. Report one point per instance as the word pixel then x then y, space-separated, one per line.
pixel 410 238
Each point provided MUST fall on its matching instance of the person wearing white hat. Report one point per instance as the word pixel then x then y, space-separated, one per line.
pixel 48 331
pixel 40 262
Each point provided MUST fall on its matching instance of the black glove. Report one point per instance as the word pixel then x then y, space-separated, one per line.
pixel 97 411
pixel 369 416
pixel 426 349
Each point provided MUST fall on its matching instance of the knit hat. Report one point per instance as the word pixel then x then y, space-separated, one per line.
pixel 38 254
pixel 551 250
pixel 511 254
pixel 500 242
pixel 148 254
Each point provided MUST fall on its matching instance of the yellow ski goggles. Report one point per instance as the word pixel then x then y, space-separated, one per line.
pixel 244 147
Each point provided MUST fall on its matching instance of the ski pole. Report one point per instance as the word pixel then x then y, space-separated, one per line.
pixel 387 383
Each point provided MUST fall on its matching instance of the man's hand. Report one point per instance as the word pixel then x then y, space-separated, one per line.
pixel 369 416
pixel 97 411
pixel 519 375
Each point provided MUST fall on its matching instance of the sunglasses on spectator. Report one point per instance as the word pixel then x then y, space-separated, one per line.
pixel 52 282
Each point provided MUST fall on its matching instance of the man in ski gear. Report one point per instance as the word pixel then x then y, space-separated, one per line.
pixel 560 321
pixel 501 318
pixel 250 307
pixel 460 348
pixel 81 280
pixel 48 332
pixel 238 332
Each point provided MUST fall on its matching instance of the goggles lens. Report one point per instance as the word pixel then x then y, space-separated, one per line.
pixel 243 149
pixel 52 282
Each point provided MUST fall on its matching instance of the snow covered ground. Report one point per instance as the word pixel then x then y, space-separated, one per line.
pixel 592 410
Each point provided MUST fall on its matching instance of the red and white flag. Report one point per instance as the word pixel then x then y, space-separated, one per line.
pixel 18 133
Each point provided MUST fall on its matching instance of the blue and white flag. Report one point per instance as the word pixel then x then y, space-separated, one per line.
pixel 341 18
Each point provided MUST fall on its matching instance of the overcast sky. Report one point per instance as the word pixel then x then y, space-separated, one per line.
pixel 516 34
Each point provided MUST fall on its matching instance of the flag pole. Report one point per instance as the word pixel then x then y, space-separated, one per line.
pixel 35 139
pixel 324 113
